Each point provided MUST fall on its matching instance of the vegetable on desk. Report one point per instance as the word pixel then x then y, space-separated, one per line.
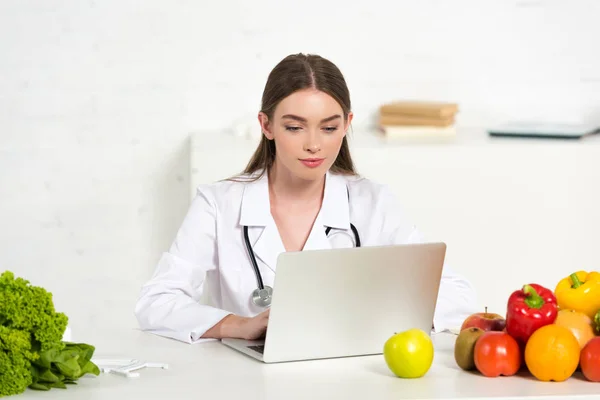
pixel 56 368
pixel 496 354
pixel 32 353
pixel 529 309
pixel 580 291
pixel 590 360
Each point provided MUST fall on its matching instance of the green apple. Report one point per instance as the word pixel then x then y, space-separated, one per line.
pixel 409 354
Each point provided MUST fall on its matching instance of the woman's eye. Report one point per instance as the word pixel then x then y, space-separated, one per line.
pixel 328 129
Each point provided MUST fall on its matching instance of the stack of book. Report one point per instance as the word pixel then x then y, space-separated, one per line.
pixel 418 119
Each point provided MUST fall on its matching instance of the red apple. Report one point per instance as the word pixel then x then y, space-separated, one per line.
pixel 485 321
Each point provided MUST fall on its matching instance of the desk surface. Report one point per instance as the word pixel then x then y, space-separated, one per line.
pixel 210 370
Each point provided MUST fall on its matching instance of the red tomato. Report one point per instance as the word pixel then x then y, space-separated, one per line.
pixel 590 360
pixel 497 353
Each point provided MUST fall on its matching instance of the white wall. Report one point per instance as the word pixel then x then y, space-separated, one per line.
pixel 97 99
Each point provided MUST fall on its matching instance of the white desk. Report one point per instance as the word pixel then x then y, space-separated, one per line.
pixel 212 371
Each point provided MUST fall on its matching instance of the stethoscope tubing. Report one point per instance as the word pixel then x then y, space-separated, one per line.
pixel 259 280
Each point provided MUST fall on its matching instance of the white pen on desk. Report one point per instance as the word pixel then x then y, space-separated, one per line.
pixel 126 367
pixel 124 373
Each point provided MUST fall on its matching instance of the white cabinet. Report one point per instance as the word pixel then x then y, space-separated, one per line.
pixel 512 211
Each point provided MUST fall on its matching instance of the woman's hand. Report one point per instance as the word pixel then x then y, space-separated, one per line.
pixel 234 326
pixel 256 327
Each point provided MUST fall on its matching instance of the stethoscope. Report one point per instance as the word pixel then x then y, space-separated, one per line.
pixel 262 295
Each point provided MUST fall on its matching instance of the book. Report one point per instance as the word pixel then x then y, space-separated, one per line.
pixel 419 108
pixel 418 132
pixel 412 120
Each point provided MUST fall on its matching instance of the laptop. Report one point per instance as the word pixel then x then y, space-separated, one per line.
pixel 545 130
pixel 333 303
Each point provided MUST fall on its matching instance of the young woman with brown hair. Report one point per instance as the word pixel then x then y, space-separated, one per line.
pixel 299 191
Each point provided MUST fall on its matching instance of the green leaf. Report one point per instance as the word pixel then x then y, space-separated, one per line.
pixel 66 355
pixel 46 358
pixel 69 368
pixel 84 350
pixel 90 368
pixel 57 373
pixel 39 386
pixel 48 376
pixel 58 385
pixel 87 352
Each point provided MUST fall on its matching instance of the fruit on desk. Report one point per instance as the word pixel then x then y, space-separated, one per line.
pixel 497 353
pixel 590 360
pixel 409 354
pixel 464 347
pixel 485 320
pixel 552 353
pixel 579 291
pixel 579 323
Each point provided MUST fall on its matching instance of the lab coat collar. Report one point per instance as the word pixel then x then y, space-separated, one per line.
pixel 256 212
pixel 256 208
pixel 335 210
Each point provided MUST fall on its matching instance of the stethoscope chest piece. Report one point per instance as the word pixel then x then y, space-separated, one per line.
pixel 262 297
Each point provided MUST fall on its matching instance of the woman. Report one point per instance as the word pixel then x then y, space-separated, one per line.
pixel 300 181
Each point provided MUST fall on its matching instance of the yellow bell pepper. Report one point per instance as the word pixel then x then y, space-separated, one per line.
pixel 580 291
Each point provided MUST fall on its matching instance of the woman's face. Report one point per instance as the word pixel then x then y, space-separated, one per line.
pixel 308 128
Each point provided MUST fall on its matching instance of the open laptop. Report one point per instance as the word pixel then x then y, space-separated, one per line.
pixel 347 302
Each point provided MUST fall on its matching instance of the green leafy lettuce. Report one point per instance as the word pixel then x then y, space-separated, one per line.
pixel 32 353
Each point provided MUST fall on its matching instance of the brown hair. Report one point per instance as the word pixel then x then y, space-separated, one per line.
pixel 296 72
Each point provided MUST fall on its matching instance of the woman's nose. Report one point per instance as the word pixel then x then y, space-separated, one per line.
pixel 312 144
pixel 313 148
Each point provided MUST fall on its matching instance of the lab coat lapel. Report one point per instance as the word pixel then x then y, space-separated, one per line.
pixel 262 231
pixel 317 238
pixel 334 213
pixel 269 245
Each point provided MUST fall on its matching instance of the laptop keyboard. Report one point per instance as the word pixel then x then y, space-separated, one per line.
pixel 260 348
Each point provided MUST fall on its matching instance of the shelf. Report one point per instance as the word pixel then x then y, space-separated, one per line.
pixel 465 137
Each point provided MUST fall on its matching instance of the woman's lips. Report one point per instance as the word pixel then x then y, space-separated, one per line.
pixel 312 162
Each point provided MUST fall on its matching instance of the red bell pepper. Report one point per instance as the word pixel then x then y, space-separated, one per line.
pixel 529 309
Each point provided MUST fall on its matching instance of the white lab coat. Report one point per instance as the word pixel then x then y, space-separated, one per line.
pixel 208 253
